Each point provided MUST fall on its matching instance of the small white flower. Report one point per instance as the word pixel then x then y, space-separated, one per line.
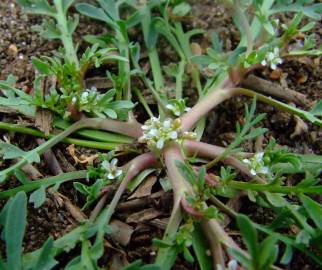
pixel 177 107
pixel 173 135
pixel 84 97
pixel 74 100
pixel 167 123
pixel 259 156
pixel 264 63
pixel 112 171
pixel 157 133
pixel 272 58
pixel 246 161
pixel 160 143
pixel 253 172
pixel 256 164
pixel 219 267
pixel 264 170
pixel 232 265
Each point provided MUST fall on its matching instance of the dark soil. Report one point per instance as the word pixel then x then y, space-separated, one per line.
pixel 18 44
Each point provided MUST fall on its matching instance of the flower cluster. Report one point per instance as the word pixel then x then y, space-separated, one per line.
pixel 89 96
pixel 177 106
pixel 112 171
pixel 157 133
pixel 272 58
pixel 256 164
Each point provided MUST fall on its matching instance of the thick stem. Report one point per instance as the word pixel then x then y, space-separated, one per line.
pixel 215 246
pixel 213 98
pixel 133 168
pixel 172 154
pixel 208 102
pixel 132 129
pixel 206 150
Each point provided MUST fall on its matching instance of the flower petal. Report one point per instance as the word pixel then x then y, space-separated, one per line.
pixel 114 161
pixel 173 135
pixel 160 143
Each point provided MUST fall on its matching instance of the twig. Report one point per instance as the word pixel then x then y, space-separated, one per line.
pixel 272 89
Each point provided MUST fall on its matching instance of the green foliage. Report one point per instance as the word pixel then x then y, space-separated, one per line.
pixel 261 255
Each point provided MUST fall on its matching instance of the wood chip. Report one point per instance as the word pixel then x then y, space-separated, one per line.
pixel 300 127
pixel 121 232
pixel 43 121
pixel 145 188
pixel 146 214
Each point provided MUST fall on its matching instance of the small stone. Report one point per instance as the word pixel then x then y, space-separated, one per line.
pixel 12 50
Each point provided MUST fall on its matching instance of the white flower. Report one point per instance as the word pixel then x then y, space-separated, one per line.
pixel 157 133
pixel 177 106
pixel 84 97
pixel 173 135
pixel 112 171
pixel 219 267
pixel 256 164
pixel 272 58
pixel 160 143
pixel 74 100
pixel 232 265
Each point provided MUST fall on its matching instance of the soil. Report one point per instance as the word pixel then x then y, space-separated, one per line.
pixel 18 44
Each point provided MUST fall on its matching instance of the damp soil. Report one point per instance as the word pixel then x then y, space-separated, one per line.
pixel 18 44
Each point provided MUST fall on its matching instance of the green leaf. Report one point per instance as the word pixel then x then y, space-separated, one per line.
pixel 314 209
pixel 38 197
pixel 248 233
pixel 287 256
pixel 110 7
pixel 46 259
pixel 317 109
pixel 42 66
pixel 139 179
pixel 312 11
pixel 41 7
pixel 15 229
pixel 9 151
pixel 240 257
pixel 22 177
pixel 268 252
pixel 200 247
pixel 181 9
pixel 93 12
pixel 234 56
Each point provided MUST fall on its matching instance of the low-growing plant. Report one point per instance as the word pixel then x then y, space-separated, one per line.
pixel 202 176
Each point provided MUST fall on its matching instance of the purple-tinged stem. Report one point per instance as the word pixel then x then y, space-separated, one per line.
pixel 208 102
pixel 211 151
pixel 134 167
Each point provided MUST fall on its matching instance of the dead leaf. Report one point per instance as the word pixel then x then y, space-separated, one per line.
pixel 275 74
pixel 75 211
pixel 43 121
pixel 121 232
pixel 300 127
pixel 146 214
pixel 145 188
pixel 82 159
pixel 119 261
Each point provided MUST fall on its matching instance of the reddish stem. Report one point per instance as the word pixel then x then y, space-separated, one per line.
pixel 189 209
